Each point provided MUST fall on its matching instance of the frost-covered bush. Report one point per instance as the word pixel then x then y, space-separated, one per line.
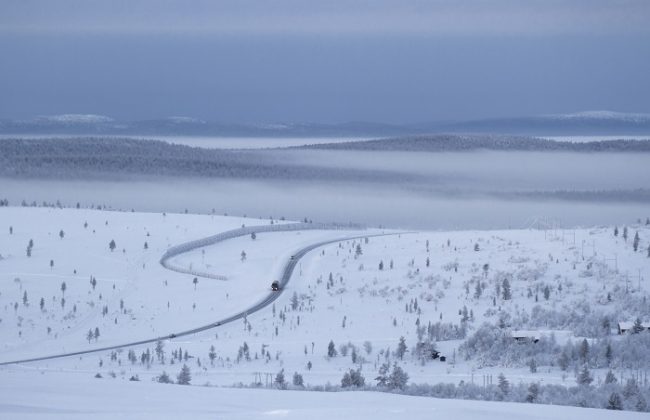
pixel 442 331
pixel 580 396
pixel 493 346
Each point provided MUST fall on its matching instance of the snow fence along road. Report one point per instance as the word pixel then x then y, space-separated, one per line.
pixel 211 240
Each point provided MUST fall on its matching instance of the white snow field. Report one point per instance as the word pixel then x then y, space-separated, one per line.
pixel 32 395
pixel 360 294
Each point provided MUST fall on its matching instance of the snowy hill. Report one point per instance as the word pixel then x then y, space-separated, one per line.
pixel 355 305
pixel 72 119
pixel 603 115
pixel 579 123
pixel 461 143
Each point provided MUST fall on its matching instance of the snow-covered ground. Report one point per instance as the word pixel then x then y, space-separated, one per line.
pixel 363 295
pixel 31 395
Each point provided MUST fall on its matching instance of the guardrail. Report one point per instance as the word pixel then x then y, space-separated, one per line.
pixel 234 233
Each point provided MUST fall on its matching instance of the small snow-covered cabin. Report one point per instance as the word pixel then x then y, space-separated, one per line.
pixel 626 326
pixel 525 336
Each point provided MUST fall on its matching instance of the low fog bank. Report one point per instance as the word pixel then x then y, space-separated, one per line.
pixel 488 171
pixel 407 189
pixel 389 207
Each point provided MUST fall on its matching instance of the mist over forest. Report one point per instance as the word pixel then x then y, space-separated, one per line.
pixel 440 181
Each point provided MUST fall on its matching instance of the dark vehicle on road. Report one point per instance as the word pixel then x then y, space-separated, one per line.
pixel 275 286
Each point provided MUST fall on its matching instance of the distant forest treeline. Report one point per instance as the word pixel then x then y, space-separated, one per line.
pixel 459 143
pixel 117 158
pixel 127 159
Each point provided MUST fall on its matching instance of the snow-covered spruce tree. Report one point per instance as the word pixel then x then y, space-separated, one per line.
pixel 164 378
pixel 184 377
pixel 279 380
pixel 382 377
pixel 398 378
pixel 294 301
pixel 358 251
pixel 243 353
pixel 625 233
pixel 635 244
pixel 533 393
pixel 160 351
pixel 615 402
pixel 584 377
pixel 609 353
pixel 297 380
pixel 331 349
pixel 112 245
pixel 631 388
pixel 610 378
pixel 505 287
pixel 401 348
pixel 478 291
pixel 503 384
pixel 353 378
pixel 638 326
pixel 212 355
pixel 584 351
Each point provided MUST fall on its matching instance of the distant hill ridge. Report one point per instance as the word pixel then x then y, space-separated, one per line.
pixel 579 123
pixel 457 143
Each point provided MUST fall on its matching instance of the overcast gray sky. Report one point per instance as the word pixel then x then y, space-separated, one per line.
pixel 323 61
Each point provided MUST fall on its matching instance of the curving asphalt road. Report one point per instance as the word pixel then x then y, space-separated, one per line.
pixel 271 297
